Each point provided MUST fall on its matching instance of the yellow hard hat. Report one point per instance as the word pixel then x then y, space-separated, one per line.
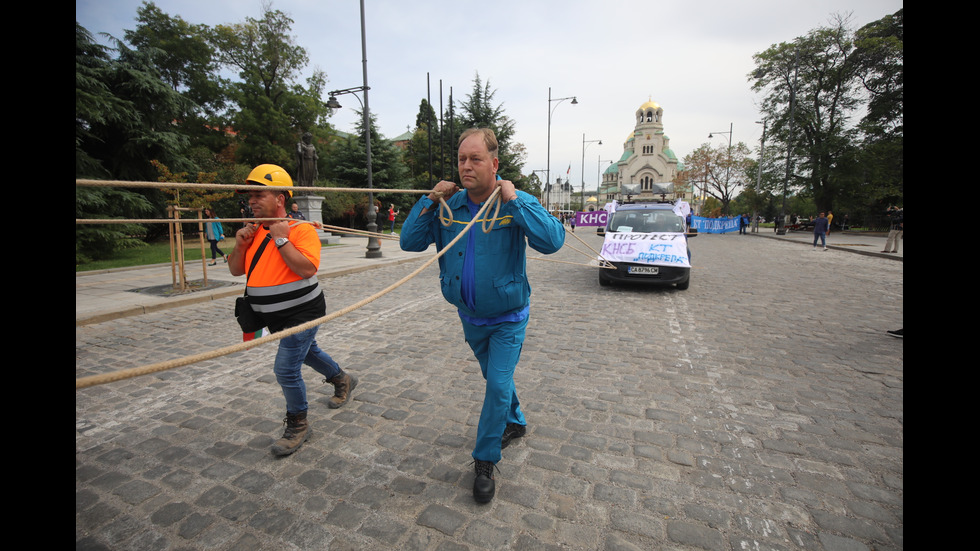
pixel 270 175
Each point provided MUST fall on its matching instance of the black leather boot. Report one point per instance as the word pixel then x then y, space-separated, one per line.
pixel 297 431
pixel 483 485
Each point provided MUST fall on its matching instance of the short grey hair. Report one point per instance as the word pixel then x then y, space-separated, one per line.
pixel 489 138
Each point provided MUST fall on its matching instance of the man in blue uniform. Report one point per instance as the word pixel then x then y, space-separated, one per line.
pixel 484 276
pixel 820 228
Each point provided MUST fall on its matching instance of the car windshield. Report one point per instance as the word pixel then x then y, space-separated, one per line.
pixel 646 221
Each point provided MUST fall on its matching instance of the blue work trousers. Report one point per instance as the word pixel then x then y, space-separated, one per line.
pixel 294 351
pixel 498 348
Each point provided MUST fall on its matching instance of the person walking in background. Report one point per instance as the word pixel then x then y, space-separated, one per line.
pixel 820 231
pixel 214 233
pixel 484 276
pixel 380 217
pixel 392 213
pixel 830 220
pixel 896 228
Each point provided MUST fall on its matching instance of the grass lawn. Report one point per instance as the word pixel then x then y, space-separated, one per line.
pixel 155 253
pixel 158 253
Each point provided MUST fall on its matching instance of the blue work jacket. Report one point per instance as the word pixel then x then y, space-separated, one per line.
pixel 501 265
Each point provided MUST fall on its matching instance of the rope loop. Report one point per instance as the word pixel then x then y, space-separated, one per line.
pixel 492 202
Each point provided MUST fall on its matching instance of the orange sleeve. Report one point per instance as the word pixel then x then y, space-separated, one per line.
pixel 304 237
pixel 271 269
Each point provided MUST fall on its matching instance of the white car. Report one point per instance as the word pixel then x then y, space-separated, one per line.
pixel 646 227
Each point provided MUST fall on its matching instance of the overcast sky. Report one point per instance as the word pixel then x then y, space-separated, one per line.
pixel 613 55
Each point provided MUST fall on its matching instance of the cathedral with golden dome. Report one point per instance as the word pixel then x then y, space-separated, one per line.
pixel 647 163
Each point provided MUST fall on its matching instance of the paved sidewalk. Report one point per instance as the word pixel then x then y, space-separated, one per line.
pixel 858 242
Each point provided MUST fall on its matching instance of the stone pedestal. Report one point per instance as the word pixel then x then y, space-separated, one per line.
pixel 311 207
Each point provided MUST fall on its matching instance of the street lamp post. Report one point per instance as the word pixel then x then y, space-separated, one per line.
pixel 550 111
pixel 728 169
pixel 598 177
pixel 543 190
pixel 374 244
pixel 584 142
pixel 758 176
pixel 781 225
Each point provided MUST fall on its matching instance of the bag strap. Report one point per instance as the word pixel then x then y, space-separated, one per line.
pixel 258 253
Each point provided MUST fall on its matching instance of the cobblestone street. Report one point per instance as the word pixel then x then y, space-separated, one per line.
pixel 761 409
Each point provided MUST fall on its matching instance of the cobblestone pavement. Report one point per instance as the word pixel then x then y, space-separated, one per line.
pixel 761 409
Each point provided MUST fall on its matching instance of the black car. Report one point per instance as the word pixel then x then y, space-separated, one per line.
pixel 654 219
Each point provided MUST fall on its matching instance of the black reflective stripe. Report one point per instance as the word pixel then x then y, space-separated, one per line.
pixel 283 297
pixel 283 288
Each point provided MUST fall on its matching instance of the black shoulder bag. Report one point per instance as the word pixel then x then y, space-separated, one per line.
pixel 248 318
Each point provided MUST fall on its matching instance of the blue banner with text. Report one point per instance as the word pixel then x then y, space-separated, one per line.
pixel 714 225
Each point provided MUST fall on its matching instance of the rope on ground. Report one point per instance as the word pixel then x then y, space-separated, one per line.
pixel 93 380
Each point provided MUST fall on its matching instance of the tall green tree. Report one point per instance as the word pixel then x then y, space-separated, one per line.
pixel 422 154
pixel 433 146
pixel 182 54
pixel 879 54
pixel 810 100
pixel 187 62
pixel 272 109
pixel 98 110
pixel 136 124
pixel 720 172
pixel 96 106
pixel 347 167
pixel 478 110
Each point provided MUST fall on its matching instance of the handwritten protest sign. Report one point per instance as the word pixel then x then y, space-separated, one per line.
pixel 658 249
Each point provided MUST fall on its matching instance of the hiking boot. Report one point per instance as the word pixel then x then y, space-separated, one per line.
pixel 483 484
pixel 297 431
pixel 343 386
pixel 512 431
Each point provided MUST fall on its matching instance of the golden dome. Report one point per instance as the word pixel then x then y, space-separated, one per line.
pixel 650 105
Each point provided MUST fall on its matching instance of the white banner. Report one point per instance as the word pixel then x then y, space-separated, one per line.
pixel 659 249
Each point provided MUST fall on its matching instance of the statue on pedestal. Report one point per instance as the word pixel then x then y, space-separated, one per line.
pixel 306 158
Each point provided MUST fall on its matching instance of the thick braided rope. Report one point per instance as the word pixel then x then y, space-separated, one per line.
pixel 85 382
pixel 235 187
pixel 494 201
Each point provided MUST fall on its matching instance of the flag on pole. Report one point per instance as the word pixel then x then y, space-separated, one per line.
pixel 569 171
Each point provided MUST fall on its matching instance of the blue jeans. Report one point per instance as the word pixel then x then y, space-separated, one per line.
pixel 822 237
pixel 294 351
pixel 498 348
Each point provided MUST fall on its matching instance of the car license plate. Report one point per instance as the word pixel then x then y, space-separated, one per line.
pixel 651 270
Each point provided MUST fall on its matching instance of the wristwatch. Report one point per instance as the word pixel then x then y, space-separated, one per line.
pixel 280 241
